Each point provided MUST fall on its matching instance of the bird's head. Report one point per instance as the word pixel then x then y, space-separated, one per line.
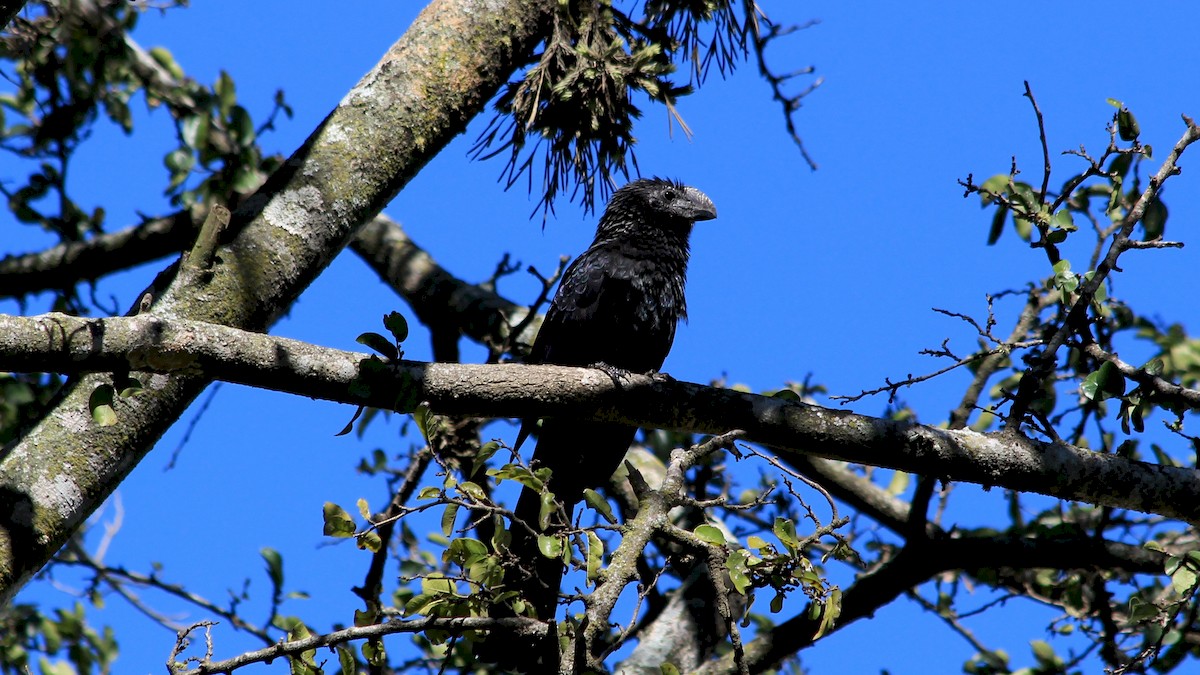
pixel 655 202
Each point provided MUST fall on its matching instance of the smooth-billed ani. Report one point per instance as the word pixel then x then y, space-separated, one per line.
pixel 618 305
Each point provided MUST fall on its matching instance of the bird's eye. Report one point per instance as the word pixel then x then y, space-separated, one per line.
pixel 669 194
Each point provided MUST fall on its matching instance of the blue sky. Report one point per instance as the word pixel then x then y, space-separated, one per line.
pixel 832 272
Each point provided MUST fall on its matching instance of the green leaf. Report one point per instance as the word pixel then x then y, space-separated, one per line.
pixel 899 483
pixel 830 611
pixel 1101 293
pixel 396 325
pixel 226 92
pixel 501 538
pixel 180 160
pixel 346 658
pixel 473 490
pixel 1107 382
pixel 1114 198
pixel 194 131
pixel 710 534
pixel 163 57
pixel 245 179
pixel 485 571
pixel 485 452
pixel 1127 125
pixel 467 550
pixel 547 507
pixel 997 228
pixel 1120 164
pixel 1023 227
pixel 785 529
pixel 1154 220
pixel 1140 610
pixel 370 541
pixel 1042 651
pixel 380 344
pixel 241 126
pixel 448 517
pixel 996 185
pixel 737 566
pixel 100 403
pixel 374 652
pixel 421 416
pixel 595 556
pixel 787 395
pixel 1115 103
pixel 1022 193
pixel 1183 579
pixel 598 502
pixel 274 566
pixel 1063 220
pixel 365 617
pixel 337 521
pixel 777 603
pixel 429 492
pixel 1065 280
pixel 534 480
pixel 550 546
pixel 436 584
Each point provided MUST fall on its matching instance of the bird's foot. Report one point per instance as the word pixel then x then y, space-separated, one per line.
pixel 619 376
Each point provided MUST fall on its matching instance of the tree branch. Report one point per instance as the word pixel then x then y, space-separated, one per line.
pixel 442 72
pixel 437 297
pixel 915 564
pixel 64 265
pixel 57 342
pixel 295 647
pixel 1167 390
pixel 1032 378
pixel 8 10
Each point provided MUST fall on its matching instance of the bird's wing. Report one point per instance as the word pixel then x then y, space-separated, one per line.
pixel 578 326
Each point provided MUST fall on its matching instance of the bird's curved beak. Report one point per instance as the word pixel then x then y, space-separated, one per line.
pixel 701 206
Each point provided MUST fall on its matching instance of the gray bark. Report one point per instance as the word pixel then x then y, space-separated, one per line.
pixel 442 72
pixel 57 342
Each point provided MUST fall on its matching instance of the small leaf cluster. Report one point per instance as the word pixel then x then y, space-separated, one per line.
pixel 61 642
pixel 1106 195
pixel 576 103
pixel 67 70
pixel 70 67
pixel 783 568
pixel 217 138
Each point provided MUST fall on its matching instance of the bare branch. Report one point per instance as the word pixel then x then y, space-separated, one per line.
pixel 789 102
pixel 513 625
pixel 1042 136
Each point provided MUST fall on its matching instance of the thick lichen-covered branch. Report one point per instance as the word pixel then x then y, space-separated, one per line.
pixel 437 76
pixel 1009 460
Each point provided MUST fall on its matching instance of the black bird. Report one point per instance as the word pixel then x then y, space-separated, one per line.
pixel 618 305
